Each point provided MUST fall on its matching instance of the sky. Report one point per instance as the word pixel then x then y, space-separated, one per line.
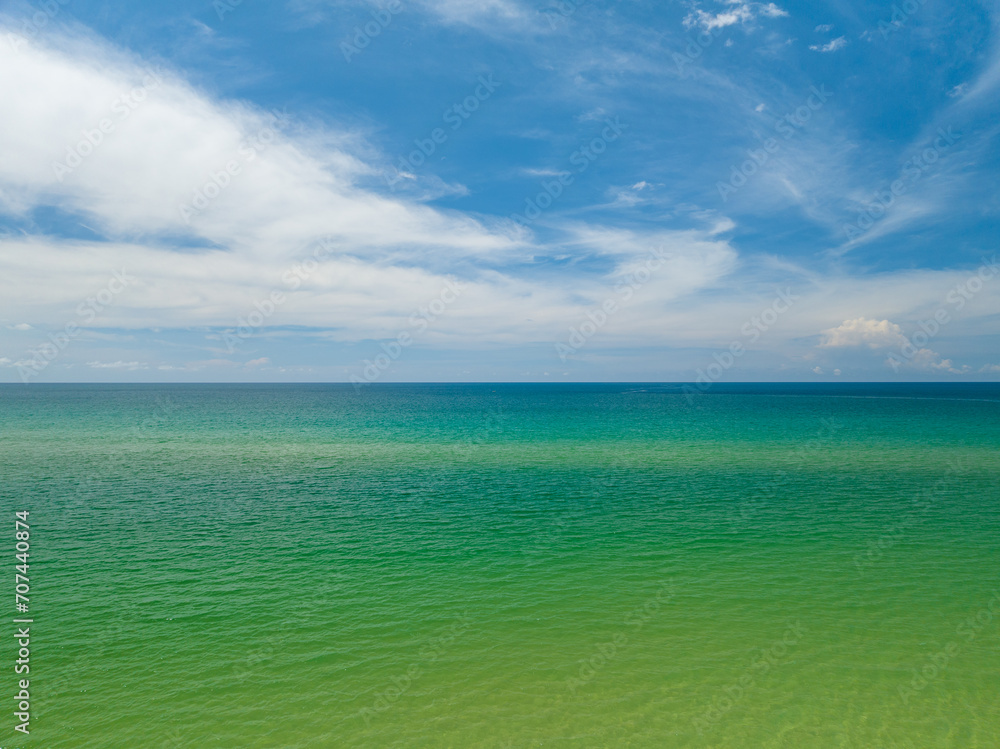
pixel 499 190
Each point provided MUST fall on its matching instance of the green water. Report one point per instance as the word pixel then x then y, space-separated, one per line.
pixel 505 566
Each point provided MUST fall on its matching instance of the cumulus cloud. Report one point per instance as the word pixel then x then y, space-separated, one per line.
pixel 883 334
pixel 864 332
pixel 926 360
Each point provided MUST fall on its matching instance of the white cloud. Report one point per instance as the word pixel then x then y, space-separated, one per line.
pixel 394 252
pixel 824 27
pixel 178 142
pixel 864 332
pixel 738 12
pixel 883 334
pixel 531 172
pixel 484 15
pixel 19 326
pixel 391 254
pixel 129 365
pixel 928 361
pixel 357 299
pixel 473 12
pixel 832 46
pixel 770 10
pixel 640 193
pixel 597 114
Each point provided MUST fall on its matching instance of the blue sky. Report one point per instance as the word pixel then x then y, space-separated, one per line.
pixel 447 190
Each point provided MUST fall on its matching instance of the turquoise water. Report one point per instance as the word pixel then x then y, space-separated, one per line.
pixel 507 565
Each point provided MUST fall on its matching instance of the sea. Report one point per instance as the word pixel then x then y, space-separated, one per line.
pixel 502 565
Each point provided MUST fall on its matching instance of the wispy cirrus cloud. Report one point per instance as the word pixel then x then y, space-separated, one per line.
pixel 131 366
pixel 488 16
pixel 478 12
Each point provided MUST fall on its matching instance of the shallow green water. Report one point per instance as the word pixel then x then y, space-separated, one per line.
pixel 506 566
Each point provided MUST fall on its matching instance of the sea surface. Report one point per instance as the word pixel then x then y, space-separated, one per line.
pixel 505 566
